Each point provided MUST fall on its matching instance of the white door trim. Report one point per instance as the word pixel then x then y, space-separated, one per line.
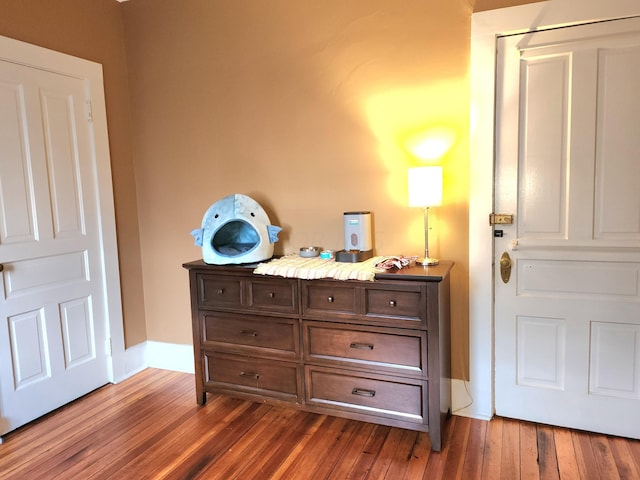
pixel 33 56
pixel 485 27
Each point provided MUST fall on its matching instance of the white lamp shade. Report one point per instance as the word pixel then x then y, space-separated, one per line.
pixel 425 186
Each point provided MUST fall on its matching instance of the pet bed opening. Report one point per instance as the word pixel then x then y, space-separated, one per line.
pixel 235 238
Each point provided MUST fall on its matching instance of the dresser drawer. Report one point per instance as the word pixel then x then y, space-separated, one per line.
pixel 251 334
pixel 231 292
pixel 273 295
pixel 408 302
pixel 329 297
pixel 219 291
pixel 369 394
pixel 252 375
pixel 395 350
pixel 392 304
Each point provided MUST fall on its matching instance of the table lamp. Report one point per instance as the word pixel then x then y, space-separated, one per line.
pixel 425 190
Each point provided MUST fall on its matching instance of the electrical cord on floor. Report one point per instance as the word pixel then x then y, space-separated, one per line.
pixel 466 387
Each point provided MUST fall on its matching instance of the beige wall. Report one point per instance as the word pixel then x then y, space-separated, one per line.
pixel 305 107
pixel 94 30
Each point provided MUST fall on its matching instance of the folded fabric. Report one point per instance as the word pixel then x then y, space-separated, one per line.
pixel 295 266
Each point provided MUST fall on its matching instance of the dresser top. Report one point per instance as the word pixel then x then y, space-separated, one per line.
pixel 433 273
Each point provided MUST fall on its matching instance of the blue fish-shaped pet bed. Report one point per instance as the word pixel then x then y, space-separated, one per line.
pixel 236 229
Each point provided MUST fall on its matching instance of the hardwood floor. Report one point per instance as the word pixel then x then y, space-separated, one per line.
pixel 149 426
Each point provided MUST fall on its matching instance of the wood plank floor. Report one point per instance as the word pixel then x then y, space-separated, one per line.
pixel 149 427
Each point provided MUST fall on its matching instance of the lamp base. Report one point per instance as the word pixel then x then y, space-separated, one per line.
pixel 427 261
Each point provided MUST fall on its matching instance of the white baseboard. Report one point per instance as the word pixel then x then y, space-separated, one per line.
pixel 135 358
pixel 129 362
pixel 170 356
pixel 166 356
pixel 463 403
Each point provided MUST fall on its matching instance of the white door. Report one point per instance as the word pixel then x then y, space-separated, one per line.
pixel 53 328
pixel 567 322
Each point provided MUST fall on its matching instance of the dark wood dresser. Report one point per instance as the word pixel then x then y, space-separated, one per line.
pixel 373 351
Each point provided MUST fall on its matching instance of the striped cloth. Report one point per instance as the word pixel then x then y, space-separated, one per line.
pixel 295 266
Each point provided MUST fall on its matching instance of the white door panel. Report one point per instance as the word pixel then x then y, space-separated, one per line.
pixel 17 193
pixel 29 347
pixel 615 360
pixel 617 165
pixel 53 344
pixel 33 276
pixel 567 323
pixel 63 163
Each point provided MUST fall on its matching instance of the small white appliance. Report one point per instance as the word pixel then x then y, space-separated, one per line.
pixel 358 245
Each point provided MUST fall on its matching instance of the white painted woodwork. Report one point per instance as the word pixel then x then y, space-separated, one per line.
pixel 567 324
pixel 617 166
pixel 56 227
pixel 474 396
pixel 615 346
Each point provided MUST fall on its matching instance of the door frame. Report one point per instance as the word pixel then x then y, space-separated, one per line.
pixel 485 28
pixel 38 57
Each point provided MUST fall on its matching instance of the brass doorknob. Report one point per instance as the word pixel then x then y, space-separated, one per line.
pixel 505 267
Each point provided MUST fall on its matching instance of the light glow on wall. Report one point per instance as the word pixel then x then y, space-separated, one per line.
pixel 423 126
pixel 431 144
pixel 417 126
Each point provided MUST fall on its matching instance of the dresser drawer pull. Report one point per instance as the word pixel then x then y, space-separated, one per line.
pixel 363 392
pixel 249 333
pixel 271 294
pixel 250 375
pixel 220 291
pixel 392 303
pixel 330 299
pixel 361 346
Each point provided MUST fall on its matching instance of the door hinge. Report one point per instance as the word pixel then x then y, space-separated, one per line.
pixel 500 219
pixel 89 111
